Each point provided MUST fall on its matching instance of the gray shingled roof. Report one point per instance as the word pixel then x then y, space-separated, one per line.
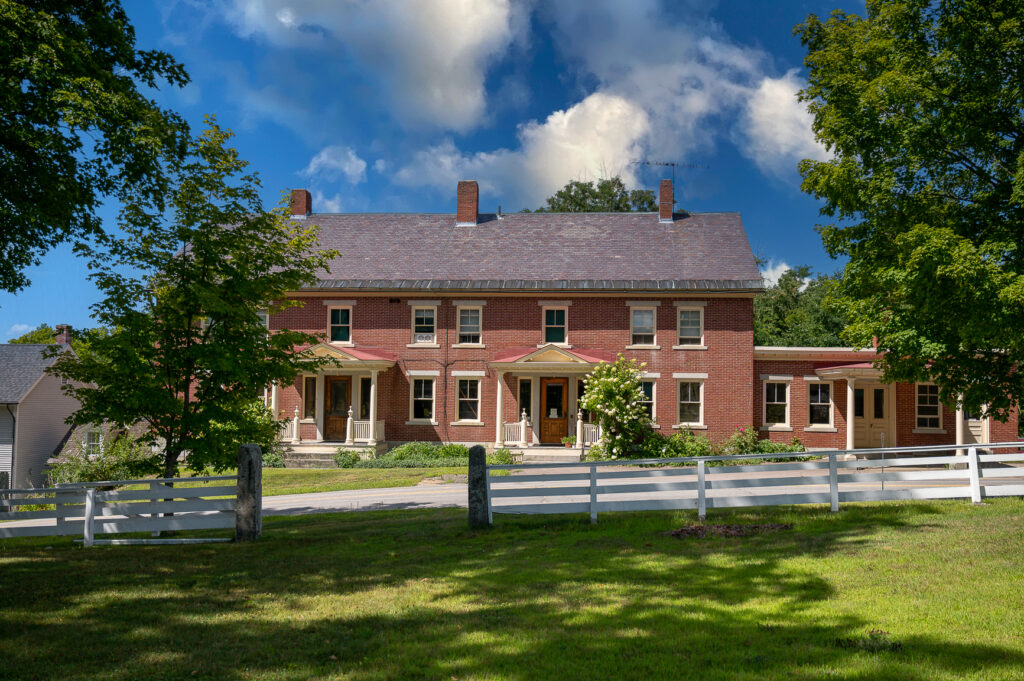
pixel 21 365
pixel 568 251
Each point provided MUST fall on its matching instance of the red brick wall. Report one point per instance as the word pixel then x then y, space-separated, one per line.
pixel 593 322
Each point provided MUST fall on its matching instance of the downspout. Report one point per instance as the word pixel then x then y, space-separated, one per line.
pixel 14 434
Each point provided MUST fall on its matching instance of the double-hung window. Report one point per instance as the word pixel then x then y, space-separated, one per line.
pixel 424 325
pixel 929 413
pixel 422 399
pixel 689 326
pixel 819 403
pixel 691 403
pixel 469 399
pixel 93 444
pixel 526 396
pixel 647 388
pixel 776 404
pixel 642 326
pixel 470 323
pixel 555 325
pixel 339 327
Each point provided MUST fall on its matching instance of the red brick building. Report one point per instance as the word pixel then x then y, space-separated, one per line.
pixel 450 327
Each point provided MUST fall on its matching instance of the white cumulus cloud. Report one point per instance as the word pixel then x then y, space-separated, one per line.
pixel 326 204
pixel 772 270
pixel 431 56
pixel 18 330
pixel 777 126
pixel 335 160
pixel 598 137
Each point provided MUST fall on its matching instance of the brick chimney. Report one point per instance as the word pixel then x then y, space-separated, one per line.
pixel 302 204
pixel 666 201
pixel 468 204
pixel 63 334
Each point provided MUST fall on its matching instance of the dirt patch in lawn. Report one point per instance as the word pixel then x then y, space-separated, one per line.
pixel 703 531
pixel 445 479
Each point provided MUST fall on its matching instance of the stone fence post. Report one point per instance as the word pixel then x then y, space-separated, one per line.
pixel 478 502
pixel 249 500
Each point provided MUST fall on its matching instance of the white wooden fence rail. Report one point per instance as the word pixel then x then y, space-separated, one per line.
pixel 88 510
pixel 944 472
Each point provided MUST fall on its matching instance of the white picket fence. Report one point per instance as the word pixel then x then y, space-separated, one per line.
pixel 946 472
pixel 84 509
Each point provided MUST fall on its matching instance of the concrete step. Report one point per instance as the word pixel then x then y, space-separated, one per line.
pixel 309 464
pixel 550 455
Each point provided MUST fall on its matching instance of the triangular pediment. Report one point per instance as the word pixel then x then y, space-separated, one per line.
pixel 549 354
pixel 331 352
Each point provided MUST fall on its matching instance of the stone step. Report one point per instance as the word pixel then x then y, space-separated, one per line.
pixel 551 456
pixel 309 464
pixel 309 456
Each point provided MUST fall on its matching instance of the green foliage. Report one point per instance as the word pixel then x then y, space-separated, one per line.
pixel 614 397
pixel 921 105
pixel 273 458
pixel 744 440
pixel 501 457
pixel 81 339
pixel 797 311
pixel 124 458
pixel 252 423
pixel 76 125
pixel 607 196
pixel 425 455
pixel 453 451
pixel 182 290
pixel 686 443
pixel 569 440
pixel 346 458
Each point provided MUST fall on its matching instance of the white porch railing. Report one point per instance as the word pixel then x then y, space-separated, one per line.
pixel 591 434
pixel 513 432
pixel 362 431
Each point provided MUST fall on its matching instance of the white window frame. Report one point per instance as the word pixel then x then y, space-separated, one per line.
pixel 544 325
pixel 690 307
pixel 918 428
pixel 829 427
pixel 413 308
pixel 653 345
pixel 653 380
pixel 412 399
pixel 458 326
pixel 87 446
pixel 351 325
pixel 683 424
pixel 788 382
pixel 264 315
pixel 458 400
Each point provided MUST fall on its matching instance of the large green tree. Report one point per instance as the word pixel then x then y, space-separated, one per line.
pixel 922 105
pixel 605 196
pixel 183 291
pixel 797 310
pixel 75 125
pixel 81 339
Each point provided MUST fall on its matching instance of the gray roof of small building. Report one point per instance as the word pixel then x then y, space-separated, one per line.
pixel 540 251
pixel 21 365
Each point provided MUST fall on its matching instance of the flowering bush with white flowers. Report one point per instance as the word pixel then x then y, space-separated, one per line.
pixel 614 399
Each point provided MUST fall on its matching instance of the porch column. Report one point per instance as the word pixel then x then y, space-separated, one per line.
pixel 499 435
pixel 320 407
pixel 960 430
pixel 535 408
pixel 273 399
pixel 373 408
pixel 850 413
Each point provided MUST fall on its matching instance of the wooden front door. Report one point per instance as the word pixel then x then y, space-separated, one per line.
pixel 554 399
pixel 873 416
pixel 338 397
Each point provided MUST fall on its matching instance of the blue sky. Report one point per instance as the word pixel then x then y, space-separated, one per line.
pixel 385 105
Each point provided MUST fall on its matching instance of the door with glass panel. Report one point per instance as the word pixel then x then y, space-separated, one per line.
pixel 872 411
pixel 338 393
pixel 554 422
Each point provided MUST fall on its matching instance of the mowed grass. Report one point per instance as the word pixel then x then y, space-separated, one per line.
pixel 308 480
pixel 418 595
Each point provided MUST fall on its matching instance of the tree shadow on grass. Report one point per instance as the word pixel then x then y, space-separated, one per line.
pixel 419 596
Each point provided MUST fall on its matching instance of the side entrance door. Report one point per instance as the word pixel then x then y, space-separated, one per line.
pixel 872 410
pixel 338 391
pixel 554 422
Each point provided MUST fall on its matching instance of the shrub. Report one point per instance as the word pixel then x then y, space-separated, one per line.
pixel 123 458
pixel 388 461
pixel 272 458
pixel 501 457
pixel 745 441
pixel 346 458
pixel 415 450
pixel 614 397
pixel 453 451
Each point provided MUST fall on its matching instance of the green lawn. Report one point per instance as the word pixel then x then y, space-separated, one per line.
pixel 417 595
pixel 306 480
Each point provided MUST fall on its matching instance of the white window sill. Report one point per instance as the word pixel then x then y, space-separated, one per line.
pixel 643 347
pixel 929 431
pixel 307 420
pixel 343 344
pixel 468 345
pixel 422 345
pixel 557 345
pixel 689 347
pixel 776 429
pixel 466 423
pixel 689 426
pixel 655 426
pixel 820 429
pixel 421 422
